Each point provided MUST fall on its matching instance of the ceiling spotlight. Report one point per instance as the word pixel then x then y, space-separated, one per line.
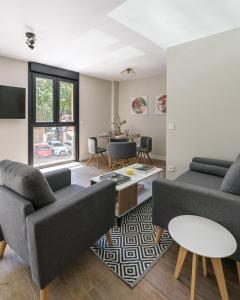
pixel 128 74
pixel 31 39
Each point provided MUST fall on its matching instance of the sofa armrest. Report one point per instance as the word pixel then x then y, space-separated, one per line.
pixel 58 179
pixel 59 232
pixel 172 198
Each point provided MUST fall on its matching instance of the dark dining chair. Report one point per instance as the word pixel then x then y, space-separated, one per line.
pixel 94 150
pixel 145 147
pixel 120 153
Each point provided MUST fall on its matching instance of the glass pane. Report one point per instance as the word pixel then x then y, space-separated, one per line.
pixel 44 99
pixel 66 101
pixel 53 145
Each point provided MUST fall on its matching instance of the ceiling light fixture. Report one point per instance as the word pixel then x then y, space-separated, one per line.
pixel 31 39
pixel 128 74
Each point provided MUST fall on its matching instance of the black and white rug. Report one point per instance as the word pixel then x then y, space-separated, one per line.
pixel 134 251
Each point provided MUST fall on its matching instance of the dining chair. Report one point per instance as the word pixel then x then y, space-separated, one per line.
pixel 145 147
pixel 94 150
pixel 120 152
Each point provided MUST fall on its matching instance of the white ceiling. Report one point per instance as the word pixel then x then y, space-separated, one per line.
pixel 103 37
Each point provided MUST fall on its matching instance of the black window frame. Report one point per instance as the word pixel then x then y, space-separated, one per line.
pixel 57 75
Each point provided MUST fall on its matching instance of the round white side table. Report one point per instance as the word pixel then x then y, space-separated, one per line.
pixel 206 238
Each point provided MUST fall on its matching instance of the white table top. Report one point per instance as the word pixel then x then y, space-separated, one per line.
pixel 202 236
pixel 135 178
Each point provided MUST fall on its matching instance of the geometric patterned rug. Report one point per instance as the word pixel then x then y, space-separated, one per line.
pixel 134 251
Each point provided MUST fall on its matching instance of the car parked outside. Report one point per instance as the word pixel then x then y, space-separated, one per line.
pixel 69 145
pixel 42 150
pixel 58 148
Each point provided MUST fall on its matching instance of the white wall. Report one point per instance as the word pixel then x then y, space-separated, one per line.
pixel 14 133
pixel 151 125
pixel 203 87
pixel 95 110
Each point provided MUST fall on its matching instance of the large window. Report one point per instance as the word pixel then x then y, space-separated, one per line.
pixel 53 119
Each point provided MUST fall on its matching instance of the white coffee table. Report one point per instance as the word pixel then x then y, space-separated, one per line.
pixel 128 194
pixel 206 238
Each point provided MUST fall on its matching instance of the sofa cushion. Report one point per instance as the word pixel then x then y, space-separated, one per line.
pixel 69 192
pixel 212 161
pixel 201 179
pixel 208 169
pixel 231 181
pixel 26 181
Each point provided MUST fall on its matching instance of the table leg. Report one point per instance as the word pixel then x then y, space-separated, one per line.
pixel 204 263
pixel 194 275
pixel 181 258
pixel 118 219
pixel 218 270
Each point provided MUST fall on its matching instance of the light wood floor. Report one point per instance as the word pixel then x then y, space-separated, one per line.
pixel 89 279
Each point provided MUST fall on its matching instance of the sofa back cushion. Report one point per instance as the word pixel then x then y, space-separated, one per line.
pixel 231 181
pixel 211 161
pixel 26 181
pixel 208 169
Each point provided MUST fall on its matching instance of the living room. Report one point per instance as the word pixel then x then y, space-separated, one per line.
pixel 145 92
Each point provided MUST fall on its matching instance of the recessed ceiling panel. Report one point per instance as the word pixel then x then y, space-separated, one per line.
pixel 173 22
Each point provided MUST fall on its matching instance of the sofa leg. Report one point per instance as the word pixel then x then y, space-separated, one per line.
pixel 109 238
pixel 43 294
pixel 2 248
pixel 158 235
pixel 238 269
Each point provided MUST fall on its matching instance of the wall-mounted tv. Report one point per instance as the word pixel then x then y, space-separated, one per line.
pixel 12 102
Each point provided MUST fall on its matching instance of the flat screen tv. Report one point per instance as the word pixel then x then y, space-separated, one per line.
pixel 12 102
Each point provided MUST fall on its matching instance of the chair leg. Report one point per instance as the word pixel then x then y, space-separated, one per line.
pixel 149 158
pixel 158 235
pixel 109 238
pixel 109 163
pixel 238 270
pixel 97 161
pixel 104 158
pixel 43 293
pixel 2 248
pixel 114 165
pixel 137 155
pixel 90 159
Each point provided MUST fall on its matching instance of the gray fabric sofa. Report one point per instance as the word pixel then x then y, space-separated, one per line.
pixel 51 237
pixel 197 192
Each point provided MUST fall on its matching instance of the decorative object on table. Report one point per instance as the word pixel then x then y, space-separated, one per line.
pixel 139 106
pixel 161 104
pixel 130 171
pixel 115 177
pixel 142 168
pixel 120 153
pixel 206 238
pixel 118 126
pixel 134 251
pixel 94 150
pixel 128 74
pixel 145 148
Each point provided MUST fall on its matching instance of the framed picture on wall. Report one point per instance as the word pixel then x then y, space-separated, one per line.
pixel 161 104
pixel 139 106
